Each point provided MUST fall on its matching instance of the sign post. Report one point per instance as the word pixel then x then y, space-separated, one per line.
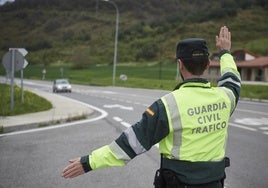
pixel 12 79
pixel 13 61
pixel 21 80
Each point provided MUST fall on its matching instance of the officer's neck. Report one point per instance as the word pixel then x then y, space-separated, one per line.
pixel 187 75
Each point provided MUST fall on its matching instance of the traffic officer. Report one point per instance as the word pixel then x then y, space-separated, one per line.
pixel 190 124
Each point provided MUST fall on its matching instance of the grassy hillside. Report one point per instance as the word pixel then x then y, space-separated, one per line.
pixel 80 34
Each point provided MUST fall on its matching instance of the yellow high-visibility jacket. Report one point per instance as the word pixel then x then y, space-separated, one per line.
pixel 190 124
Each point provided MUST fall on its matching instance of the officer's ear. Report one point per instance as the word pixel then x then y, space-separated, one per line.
pixel 208 64
pixel 180 64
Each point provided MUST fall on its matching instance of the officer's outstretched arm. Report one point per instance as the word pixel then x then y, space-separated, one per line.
pixel 230 77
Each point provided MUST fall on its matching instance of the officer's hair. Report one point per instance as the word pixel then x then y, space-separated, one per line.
pixel 196 66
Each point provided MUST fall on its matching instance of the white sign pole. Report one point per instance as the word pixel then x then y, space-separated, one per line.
pixel 22 90
pixel 12 79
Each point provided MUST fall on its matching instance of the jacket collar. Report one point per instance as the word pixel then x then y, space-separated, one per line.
pixel 194 82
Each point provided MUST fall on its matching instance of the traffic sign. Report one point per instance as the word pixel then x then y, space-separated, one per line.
pixel 23 51
pixel 18 61
pixel 25 63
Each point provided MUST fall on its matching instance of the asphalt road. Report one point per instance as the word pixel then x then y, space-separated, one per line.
pixel 35 159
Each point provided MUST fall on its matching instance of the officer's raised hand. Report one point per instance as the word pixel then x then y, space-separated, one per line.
pixel 223 40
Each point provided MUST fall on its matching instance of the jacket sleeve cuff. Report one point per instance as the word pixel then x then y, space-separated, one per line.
pixel 85 163
pixel 222 52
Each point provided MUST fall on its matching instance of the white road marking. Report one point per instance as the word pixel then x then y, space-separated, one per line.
pixel 264 128
pixel 252 112
pixel 126 124
pixel 118 106
pixel 242 127
pixel 103 115
pixel 252 121
pixel 118 119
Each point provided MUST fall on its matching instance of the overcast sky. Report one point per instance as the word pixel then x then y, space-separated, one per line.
pixel 3 1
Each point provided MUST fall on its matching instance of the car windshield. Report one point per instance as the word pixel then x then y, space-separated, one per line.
pixel 62 82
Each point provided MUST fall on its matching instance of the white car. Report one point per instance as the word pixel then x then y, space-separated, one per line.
pixel 61 85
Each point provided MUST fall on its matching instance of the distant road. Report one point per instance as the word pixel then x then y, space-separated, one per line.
pixel 36 159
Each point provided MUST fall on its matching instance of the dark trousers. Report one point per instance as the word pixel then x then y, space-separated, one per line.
pixel 167 179
pixel 209 185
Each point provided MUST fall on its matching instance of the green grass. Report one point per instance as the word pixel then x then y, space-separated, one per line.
pixel 32 102
pixel 254 91
pixel 150 76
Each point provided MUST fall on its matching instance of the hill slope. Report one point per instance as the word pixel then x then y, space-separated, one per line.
pixel 81 32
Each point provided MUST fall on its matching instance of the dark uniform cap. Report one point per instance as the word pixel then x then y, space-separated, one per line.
pixel 192 48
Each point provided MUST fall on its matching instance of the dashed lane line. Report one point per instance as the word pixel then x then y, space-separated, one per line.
pixel 264 128
pixel 117 119
pixel 125 124
pixel 115 99
pixel 252 112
